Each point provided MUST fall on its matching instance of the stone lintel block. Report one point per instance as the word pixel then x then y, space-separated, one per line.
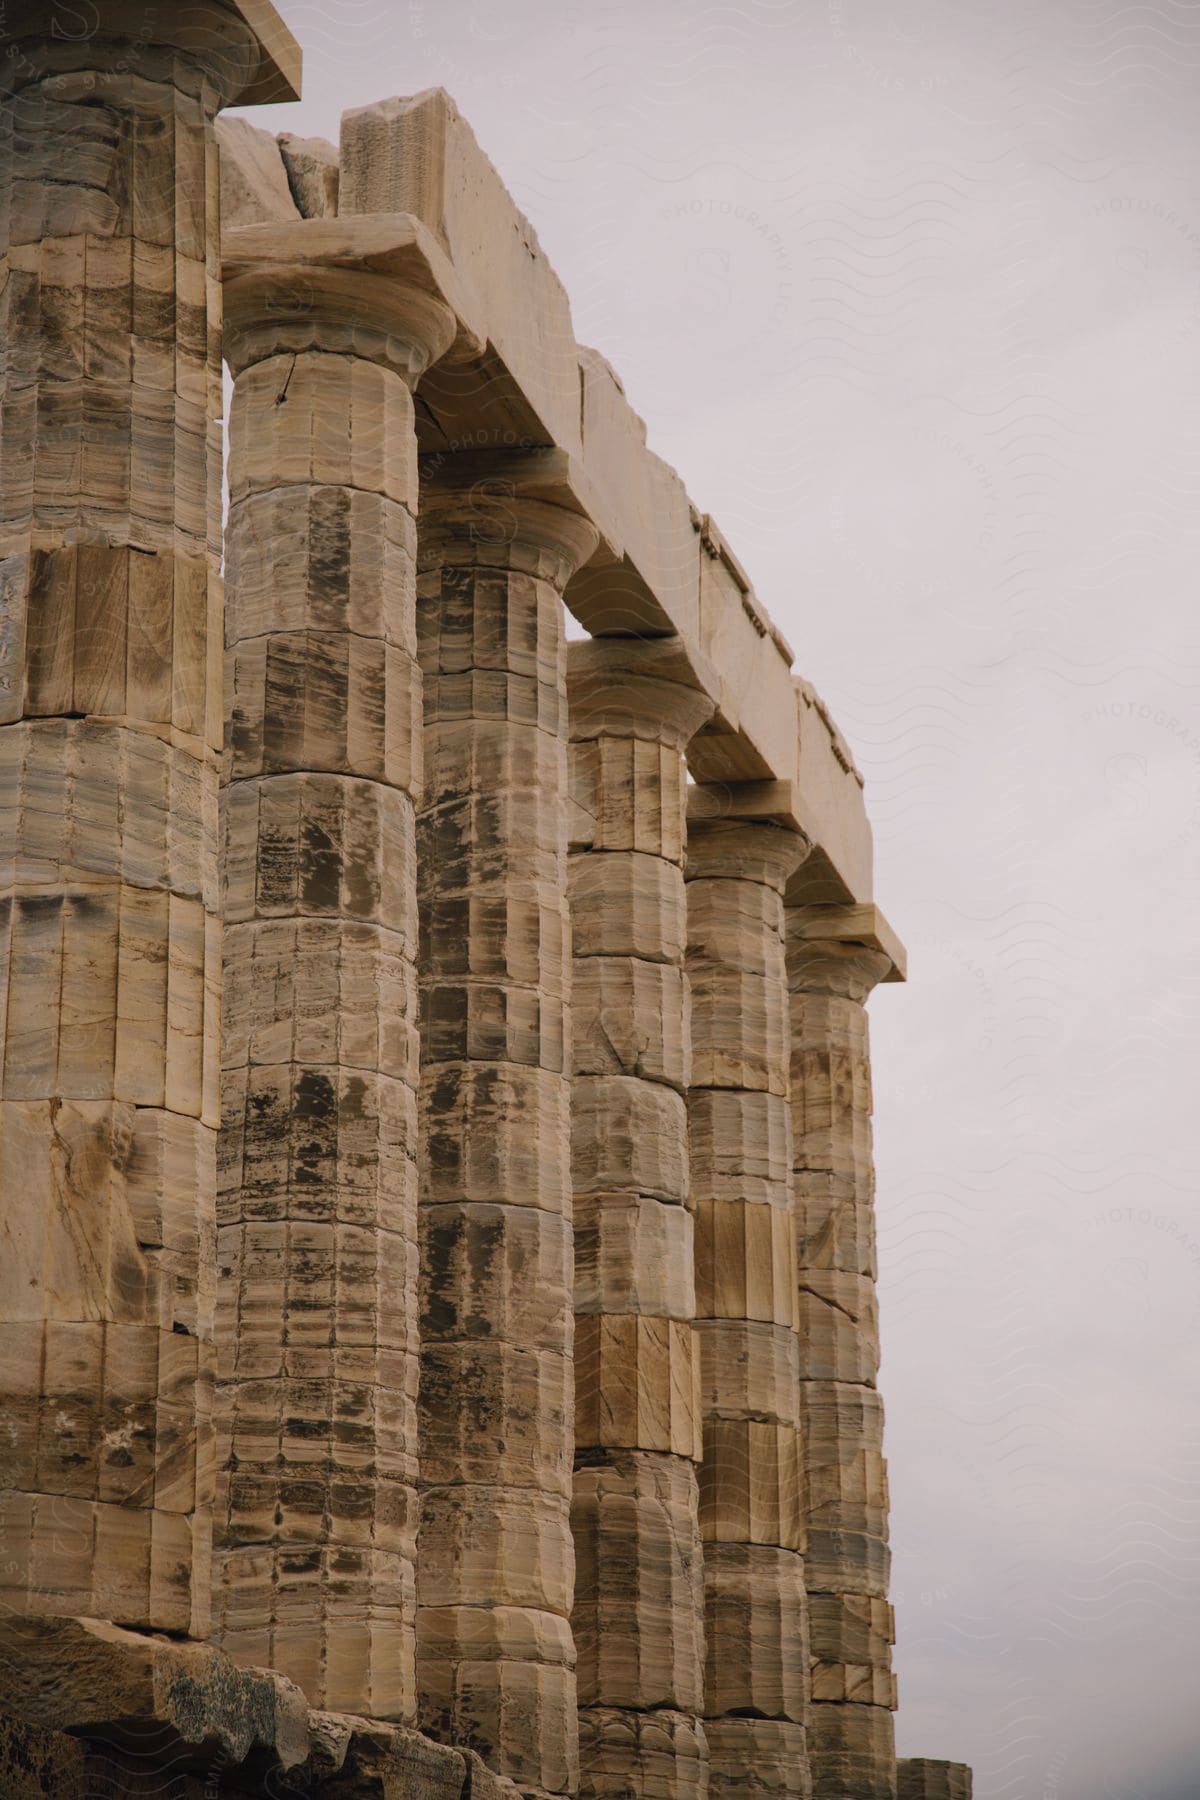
pixel 628 1136
pixel 496 1546
pixel 635 1255
pixel 627 903
pixel 638 1610
pixel 417 155
pixel 213 29
pixel 498 1273
pixel 922 1778
pixel 756 1632
pixel 750 1484
pixel 637 1384
pixel 852 1749
pixel 93 1678
pixel 757 1759
pixel 748 1370
pixel 660 1755
pixel 745 1262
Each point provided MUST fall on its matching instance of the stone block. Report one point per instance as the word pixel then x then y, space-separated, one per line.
pixel 637 1384
pixel 921 1778
pixel 757 1759
pixel 751 1484
pixel 638 1612
pixel 254 180
pixel 839 1327
pixel 633 1255
pixel 756 1632
pixel 495 1133
pixel 313 171
pixel 740 1146
pixel 498 1273
pixel 631 1017
pixel 748 1370
pixel 628 1136
pixel 659 1755
pixel 494 1546
pixel 494 1414
pixel 633 794
pixel 627 903
pixel 852 1750
pixel 418 155
pixel 745 1262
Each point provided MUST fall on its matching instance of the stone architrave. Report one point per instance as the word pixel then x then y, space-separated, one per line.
pixel 757 1679
pixel 852 1740
pixel 317 1245
pixel 639 1598
pixel 495 1653
pixel 110 733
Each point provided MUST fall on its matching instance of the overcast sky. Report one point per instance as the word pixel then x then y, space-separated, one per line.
pixel 909 292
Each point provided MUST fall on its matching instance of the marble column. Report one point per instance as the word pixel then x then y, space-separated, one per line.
pixel 317 1318
pixel 110 731
pixel 639 1601
pixel 757 1675
pixel 851 1733
pixel 922 1778
pixel 496 1659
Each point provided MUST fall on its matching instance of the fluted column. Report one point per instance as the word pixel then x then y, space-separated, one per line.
pixel 110 730
pixel 846 1500
pixel 638 1617
pixel 317 1324
pixel 920 1778
pixel 496 1660
pixel 757 1677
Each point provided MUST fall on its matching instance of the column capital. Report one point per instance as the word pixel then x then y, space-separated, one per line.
pixel 243 45
pixel 838 948
pixel 635 688
pixel 490 507
pixel 743 850
pixel 378 288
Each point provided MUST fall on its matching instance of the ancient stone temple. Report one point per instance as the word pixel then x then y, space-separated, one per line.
pixel 437 1300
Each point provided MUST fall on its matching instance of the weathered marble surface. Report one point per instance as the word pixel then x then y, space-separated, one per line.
pixel 845 1475
pixel 495 1653
pixel 110 732
pixel 638 1613
pixel 751 1499
pixel 317 1278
